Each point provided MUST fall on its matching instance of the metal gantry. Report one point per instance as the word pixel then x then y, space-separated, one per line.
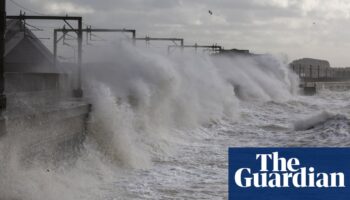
pixel 178 42
pixel 214 47
pixel 78 92
pixel 87 30
pixel 147 39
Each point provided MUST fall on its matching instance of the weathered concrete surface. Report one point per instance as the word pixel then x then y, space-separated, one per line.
pixel 46 133
pixel 41 119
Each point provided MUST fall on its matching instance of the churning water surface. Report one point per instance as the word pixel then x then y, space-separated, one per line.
pixel 199 168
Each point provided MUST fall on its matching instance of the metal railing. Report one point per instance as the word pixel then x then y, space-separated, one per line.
pixel 312 73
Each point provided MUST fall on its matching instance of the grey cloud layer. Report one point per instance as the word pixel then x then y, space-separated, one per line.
pixel 313 28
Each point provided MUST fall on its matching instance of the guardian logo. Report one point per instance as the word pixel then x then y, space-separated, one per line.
pixel 285 173
pixel 289 173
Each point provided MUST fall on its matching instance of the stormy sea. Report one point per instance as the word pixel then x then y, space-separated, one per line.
pixel 161 126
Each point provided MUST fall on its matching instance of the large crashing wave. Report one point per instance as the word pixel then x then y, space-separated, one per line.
pixel 143 103
pixel 140 97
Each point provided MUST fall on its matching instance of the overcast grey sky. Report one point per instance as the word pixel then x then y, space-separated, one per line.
pixel 298 28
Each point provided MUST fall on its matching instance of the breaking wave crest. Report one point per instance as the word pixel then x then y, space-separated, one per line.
pixel 325 123
pixel 140 98
pixel 144 103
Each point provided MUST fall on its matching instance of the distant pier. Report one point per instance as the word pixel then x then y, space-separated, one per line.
pixel 317 74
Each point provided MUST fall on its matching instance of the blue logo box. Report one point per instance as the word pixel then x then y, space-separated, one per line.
pixel 289 173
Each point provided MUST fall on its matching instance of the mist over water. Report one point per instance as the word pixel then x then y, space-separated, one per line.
pixel 161 125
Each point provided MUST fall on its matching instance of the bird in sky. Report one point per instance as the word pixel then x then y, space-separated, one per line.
pixel 210 12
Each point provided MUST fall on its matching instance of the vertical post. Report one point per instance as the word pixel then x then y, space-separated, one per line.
pixel 78 92
pixel 344 72
pixel 331 73
pixel 310 75
pixel 55 48
pixel 88 30
pixel 147 41
pixel 134 37
pixel 169 50
pixel 2 52
pixel 182 44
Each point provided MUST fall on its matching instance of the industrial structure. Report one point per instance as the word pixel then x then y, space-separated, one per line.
pixel 78 92
pixel 317 74
pixel 39 103
pixel 213 48
pixel 24 51
pixel 36 95
pixel 88 30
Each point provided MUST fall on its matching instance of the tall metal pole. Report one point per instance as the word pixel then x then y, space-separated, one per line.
pixel 182 44
pixel 2 51
pixel 79 91
pixel 134 37
pixel 55 48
